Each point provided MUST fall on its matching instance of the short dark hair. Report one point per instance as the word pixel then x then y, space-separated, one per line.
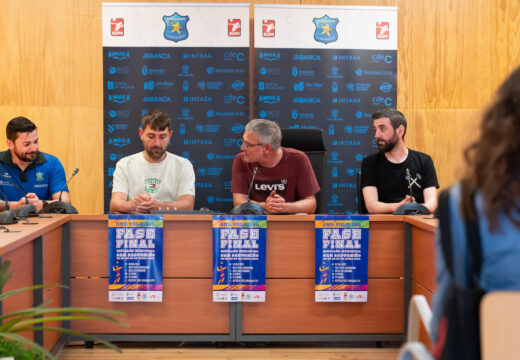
pixel 396 117
pixel 157 119
pixel 17 125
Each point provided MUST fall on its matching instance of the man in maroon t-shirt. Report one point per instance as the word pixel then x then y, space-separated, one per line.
pixel 284 181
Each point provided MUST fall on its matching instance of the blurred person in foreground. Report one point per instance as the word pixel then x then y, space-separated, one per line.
pixel 489 194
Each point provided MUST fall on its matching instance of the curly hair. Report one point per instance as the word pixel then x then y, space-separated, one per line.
pixel 494 158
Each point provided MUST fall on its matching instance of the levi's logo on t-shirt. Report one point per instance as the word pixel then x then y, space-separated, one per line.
pixel 261 186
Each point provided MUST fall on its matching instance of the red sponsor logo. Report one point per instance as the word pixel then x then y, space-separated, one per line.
pixel 117 26
pixel 234 27
pixel 382 30
pixel 268 28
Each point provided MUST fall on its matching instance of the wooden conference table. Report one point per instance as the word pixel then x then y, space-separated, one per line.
pixel 400 263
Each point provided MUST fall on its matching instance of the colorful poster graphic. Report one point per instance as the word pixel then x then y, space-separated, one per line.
pixel 341 258
pixel 239 247
pixel 327 67
pixel 190 60
pixel 135 252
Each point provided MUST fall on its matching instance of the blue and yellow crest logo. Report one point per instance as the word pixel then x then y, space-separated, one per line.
pixel 325 29
pixel 39 176
pixel 176 29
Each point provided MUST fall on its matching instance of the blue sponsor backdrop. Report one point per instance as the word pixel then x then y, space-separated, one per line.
pixel 205 91
pixel 336 90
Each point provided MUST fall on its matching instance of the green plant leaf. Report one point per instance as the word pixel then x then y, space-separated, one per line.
pixel 27 342
pixel 4 296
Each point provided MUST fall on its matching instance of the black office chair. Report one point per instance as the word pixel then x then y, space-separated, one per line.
pixel 361 207
pixel 310 141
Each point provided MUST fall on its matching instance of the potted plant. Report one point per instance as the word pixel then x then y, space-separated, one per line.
pixel 15 346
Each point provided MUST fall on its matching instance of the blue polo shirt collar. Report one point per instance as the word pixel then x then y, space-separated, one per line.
pixel 5 157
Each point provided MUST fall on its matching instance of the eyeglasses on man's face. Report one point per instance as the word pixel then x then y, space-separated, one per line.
pixel 248 145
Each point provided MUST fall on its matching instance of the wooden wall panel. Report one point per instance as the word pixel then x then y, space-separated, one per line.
pixel 452 56
pixel 189 306
pixel 290 309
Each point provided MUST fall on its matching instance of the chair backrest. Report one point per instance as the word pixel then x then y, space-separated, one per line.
pixel 361 207
pixel 500 325
pixel 310 141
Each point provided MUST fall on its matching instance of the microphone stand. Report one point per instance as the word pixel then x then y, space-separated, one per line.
pixel 61 207
pixel 411 208
pixel 249 208
pixel 8 216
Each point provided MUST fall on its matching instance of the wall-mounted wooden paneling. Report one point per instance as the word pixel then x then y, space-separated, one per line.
pixel 452 56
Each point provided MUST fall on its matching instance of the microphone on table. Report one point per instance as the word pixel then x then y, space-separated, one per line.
pixel 249 208
pixel 27 210
pixel 61 207
pixel 411 208
pixel 8 216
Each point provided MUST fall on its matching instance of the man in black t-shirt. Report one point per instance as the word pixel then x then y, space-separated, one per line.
pixel 384 175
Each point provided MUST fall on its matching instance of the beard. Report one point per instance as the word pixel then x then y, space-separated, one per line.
pixel 155 152
pixel 28 156
pixel 385 146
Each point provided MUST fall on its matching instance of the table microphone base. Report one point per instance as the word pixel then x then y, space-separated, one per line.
pixel 412 208
pixel 8 217
pixel 25 211
pixel 59 207
pixel 248 208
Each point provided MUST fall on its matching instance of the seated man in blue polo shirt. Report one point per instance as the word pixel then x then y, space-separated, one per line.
pixel 40 175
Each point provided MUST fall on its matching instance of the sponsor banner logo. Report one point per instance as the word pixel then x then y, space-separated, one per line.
pixel 145 70
pixel 269 71
pixel 359 86
pixel 269 56
pixel 269 114
pixel 306 57
pixel 119 85
pixel 157 85
pixel 112 70
pixel 117 27
pixel 119 113
pixel 346 58
pixel 233 55
pixel 325 29
pixel 154 56
pixel 381 101
pixel 298 72
pixel 302 126
pixel 382 30
pixel 119 99
pixel 268 28
pixel 301 86
pixel 208 128
pixel 385 87
pixel 296 115
pixel 269 99
pixel 380 58
pixel 113 127
pixel 231 99
pixel 212 70
pixel 119 55
pixel 234 27
pixel 262 85
pixel 176 29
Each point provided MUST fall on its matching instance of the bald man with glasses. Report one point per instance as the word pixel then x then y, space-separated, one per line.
pixel 284 180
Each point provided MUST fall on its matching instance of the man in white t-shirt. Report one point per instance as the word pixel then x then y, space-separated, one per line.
pixel 153 178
